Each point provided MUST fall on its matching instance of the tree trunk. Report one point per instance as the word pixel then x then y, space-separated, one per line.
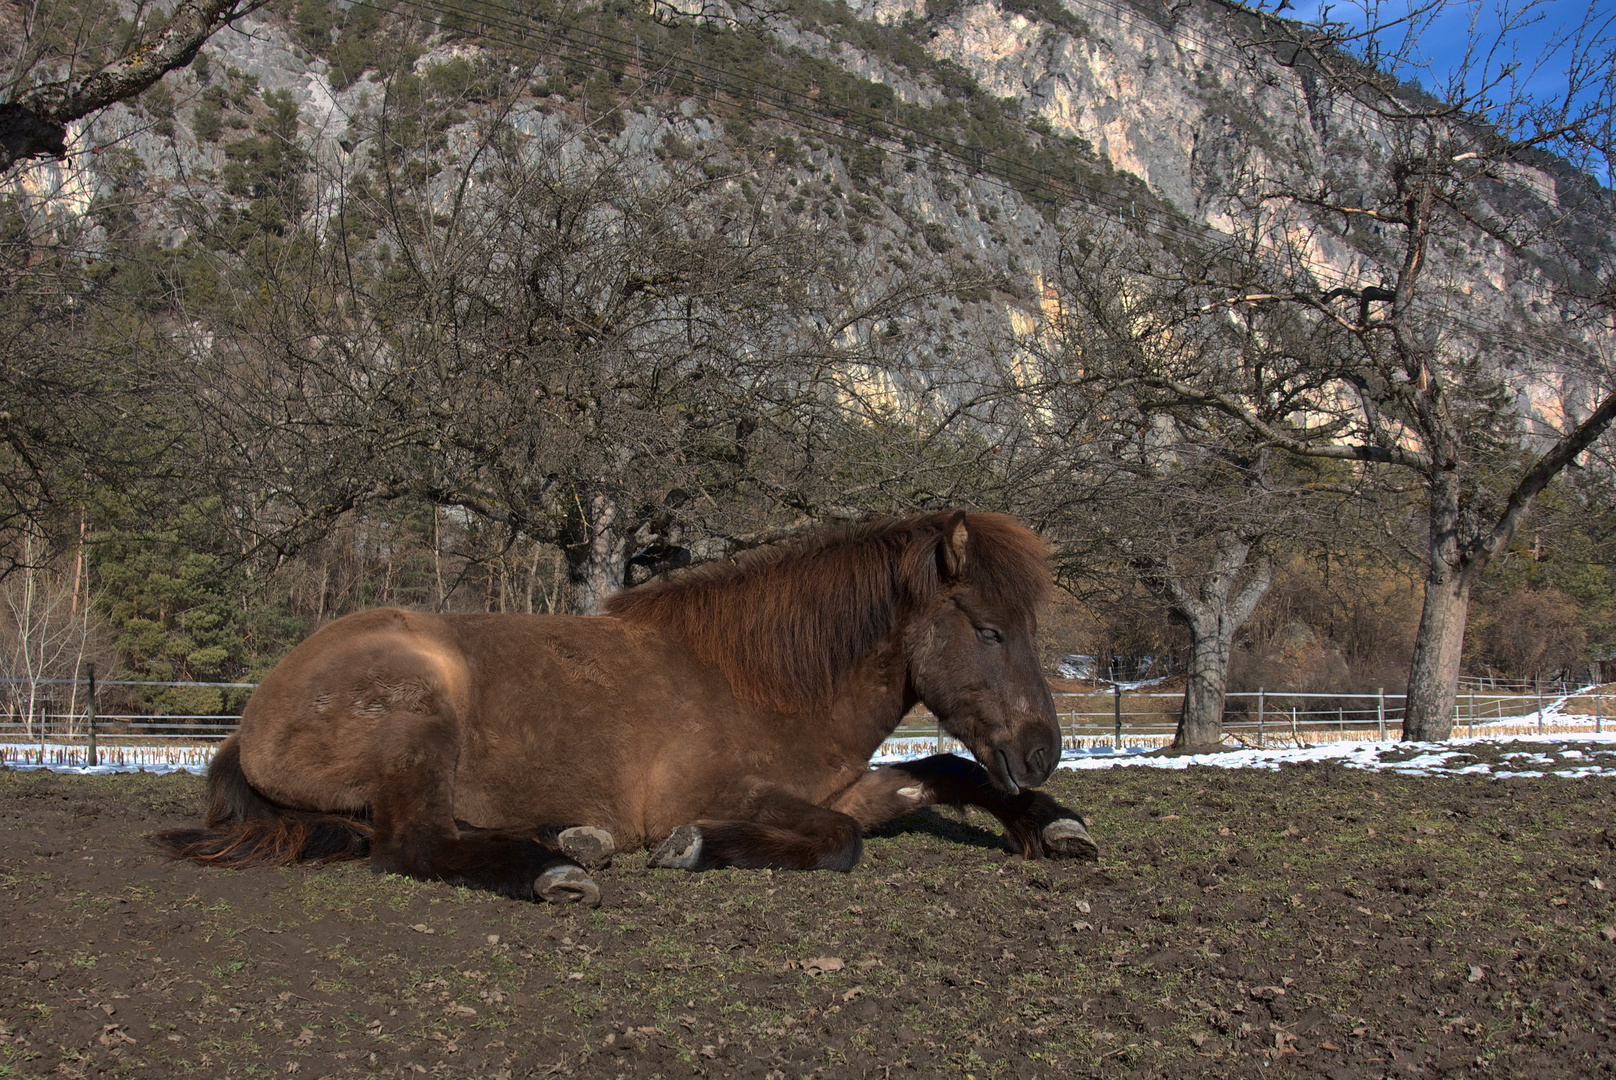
pixel 596 553
pixel 1213 615
pixel 1433 678
pixel 1202 721
pixel 1433 675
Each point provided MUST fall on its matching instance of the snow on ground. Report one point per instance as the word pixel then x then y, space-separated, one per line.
pixel 1565 754
pixel 113 759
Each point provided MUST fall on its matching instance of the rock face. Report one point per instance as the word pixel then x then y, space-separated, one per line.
pixel 1121 82
pixel 1160 96
pixel 1162 93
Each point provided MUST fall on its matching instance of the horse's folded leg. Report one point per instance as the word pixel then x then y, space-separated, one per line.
pixel 1037 825
pixel 588 846
pixel 821 840
pixel 680 851
pixel 566 885
pixel 1068 838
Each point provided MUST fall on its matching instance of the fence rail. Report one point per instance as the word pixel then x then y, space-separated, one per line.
pixel 1116 719
pixel 1142 719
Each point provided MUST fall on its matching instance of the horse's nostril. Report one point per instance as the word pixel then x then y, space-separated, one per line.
pixel 1036 762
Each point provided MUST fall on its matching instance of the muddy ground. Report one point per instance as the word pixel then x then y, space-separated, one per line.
pixel 1310 921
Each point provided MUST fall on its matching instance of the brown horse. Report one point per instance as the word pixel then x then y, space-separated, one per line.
pixel 726 716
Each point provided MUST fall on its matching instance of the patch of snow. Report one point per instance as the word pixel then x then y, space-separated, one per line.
pixel 159 767
pixel 114 758
pixel 1426 759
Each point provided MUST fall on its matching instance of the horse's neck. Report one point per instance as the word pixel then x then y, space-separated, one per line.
pixel 874 695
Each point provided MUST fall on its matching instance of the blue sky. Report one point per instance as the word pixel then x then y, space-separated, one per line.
pixel 1533 37
pixel 1440 43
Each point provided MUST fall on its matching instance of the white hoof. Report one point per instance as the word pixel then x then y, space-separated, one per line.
pixel 567 885
pixel 680 851
pixel 587 846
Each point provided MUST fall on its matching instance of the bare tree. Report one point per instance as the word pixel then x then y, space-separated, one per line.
pixel 1405 371
pixel 581 345
pixel 1193 507
pixel 46 633
pixel 84 406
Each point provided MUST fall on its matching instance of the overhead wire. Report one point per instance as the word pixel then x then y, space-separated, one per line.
pixel 976 162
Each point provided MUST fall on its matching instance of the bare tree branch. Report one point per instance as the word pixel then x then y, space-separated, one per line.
pixel 34 123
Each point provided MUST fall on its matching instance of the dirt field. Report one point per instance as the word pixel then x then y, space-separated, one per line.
pixel 1310 921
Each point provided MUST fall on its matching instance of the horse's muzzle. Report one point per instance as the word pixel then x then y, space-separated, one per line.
pixel 998 767
pixel 1011 771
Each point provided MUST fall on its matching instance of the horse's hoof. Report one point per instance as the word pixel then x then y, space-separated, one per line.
pixel 1069 839
pixel 567 885
pixel 587 846
pixel 680 851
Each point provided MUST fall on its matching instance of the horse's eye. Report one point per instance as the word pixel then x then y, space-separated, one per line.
pixel 987 633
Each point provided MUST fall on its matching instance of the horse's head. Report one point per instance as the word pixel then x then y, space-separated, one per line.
pixel 972 653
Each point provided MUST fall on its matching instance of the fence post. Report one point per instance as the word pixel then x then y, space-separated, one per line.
pixel 1340 719
pixel 1262 705
pixel 1472 714
pixel 1380 711
pixel 1538 680
pixel 1599 713
pixel 1117 704
pixel 89 720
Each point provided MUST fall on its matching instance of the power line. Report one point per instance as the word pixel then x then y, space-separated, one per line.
pixel 973 161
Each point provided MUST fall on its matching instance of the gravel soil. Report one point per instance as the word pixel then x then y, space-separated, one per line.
pixel 1307 921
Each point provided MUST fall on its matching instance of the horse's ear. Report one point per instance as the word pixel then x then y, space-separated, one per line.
pixel 956 538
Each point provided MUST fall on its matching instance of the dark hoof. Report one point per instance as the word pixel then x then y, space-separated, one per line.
pixel 680 851
pixel 566 885
pixel 587 846
pixel 1068 839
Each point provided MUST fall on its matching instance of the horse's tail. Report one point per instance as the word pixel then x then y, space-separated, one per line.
pixel 242 828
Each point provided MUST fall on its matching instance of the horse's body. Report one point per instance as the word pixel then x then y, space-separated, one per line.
pixel 577 720
pixel 729 715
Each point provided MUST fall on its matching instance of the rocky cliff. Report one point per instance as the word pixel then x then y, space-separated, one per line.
pixel 976 132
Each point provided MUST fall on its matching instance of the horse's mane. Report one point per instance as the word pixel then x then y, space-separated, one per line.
pixel 786 622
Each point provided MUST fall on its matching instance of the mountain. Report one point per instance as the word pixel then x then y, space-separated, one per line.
pixel 979 130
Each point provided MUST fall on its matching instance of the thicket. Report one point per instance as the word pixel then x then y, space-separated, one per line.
pixel 363 340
